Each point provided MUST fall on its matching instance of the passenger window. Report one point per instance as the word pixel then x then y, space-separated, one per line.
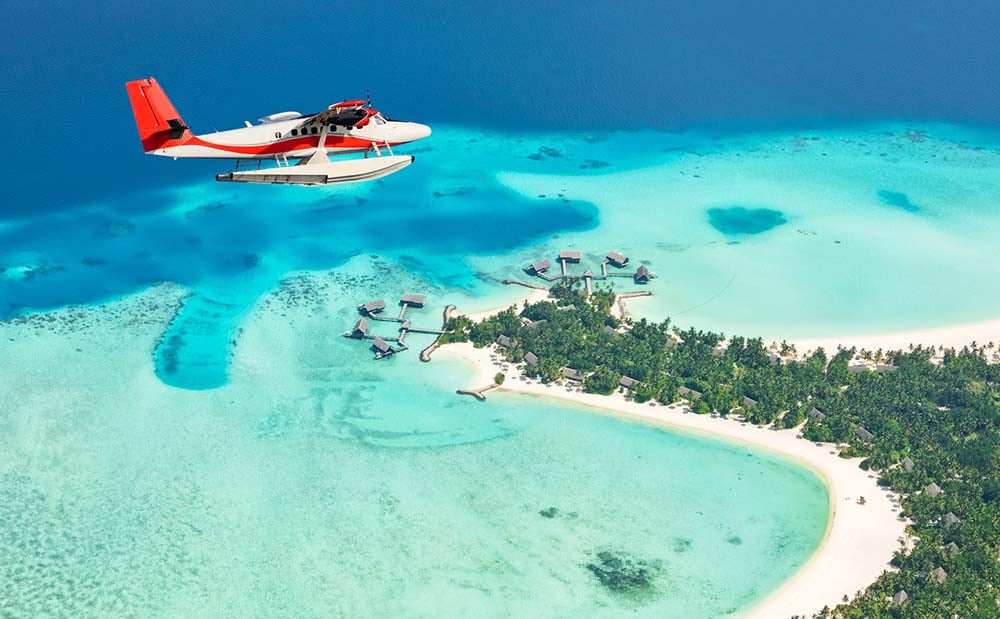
pixel 315 130
pixel 295 131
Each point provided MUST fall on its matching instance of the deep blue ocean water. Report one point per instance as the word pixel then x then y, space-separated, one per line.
pixel 524 66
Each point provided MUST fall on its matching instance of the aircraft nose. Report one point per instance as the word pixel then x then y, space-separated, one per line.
pixel 411 132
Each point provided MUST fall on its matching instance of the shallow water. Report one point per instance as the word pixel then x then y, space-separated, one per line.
pixel 232 452
pixel 321 482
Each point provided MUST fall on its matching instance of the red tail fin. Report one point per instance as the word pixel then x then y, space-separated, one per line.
pixel 159 123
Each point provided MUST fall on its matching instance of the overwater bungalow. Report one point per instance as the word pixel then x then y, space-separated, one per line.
pixel 642 275
pixel 381 348
pixel 628 382
pixel 538 267
pixel 360 329
pixel 619 260
pixel 531 358
pixel 570 255
pixel 413 300
pixel 932 489
pixel 372 307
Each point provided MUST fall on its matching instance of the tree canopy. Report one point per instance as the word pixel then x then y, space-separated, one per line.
pixel 942 418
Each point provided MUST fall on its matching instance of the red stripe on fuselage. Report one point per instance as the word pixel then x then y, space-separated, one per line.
pixel 333 142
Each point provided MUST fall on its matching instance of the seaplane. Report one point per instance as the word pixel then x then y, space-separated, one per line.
pixel 299 145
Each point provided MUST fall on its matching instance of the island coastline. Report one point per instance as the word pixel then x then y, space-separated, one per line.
pixel 862 536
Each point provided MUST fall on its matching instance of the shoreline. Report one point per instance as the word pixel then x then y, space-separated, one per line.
pixel 863 537
pixel 950 336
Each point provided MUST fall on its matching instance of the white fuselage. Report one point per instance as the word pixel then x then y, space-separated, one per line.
pixel 293 139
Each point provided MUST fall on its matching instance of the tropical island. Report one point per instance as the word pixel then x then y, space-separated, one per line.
pixel 923 425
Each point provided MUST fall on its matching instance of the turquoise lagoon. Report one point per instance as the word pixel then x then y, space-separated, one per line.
pixel 217 447
pixel 319 482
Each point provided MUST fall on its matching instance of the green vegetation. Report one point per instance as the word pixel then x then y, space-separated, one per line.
pixel 944 419
pixel 499 378
pixel 456 330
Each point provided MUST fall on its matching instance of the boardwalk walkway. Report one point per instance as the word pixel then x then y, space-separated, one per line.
pixel 425 354
pixel 479 394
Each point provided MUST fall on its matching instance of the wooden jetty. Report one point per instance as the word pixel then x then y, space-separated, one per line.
pixel 479 394
pixel 517 282
pixel 425 354
pixel 372 311
pixel 616 259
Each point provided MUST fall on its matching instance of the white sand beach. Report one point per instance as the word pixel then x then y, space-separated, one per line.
pixel 953 336
pixel 860 539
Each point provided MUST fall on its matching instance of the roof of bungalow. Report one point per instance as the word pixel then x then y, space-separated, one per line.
pixel 858 366
pixel 588 273
pixel 886 367
pixel 900 597
pixel 617 259
pixel 938 574
pixel 566 308
pixel 571 374
pixel 627 381
pixel 539 267
pixel 642 273
pixel 403 326
pixel 413 299
pixel 533 324
pixel 610 330
pixel 815 413
pixel 933 489
pixel 719 349
pixel 373 306
pixel 749 402
pixel 360 327
pixel 381 345
pixel 530 358
pixel 907 464
pixel 952 548
pixel 864 434
pixel 691 394
pixel 570 254
pixel 505 341
pixel 950 518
